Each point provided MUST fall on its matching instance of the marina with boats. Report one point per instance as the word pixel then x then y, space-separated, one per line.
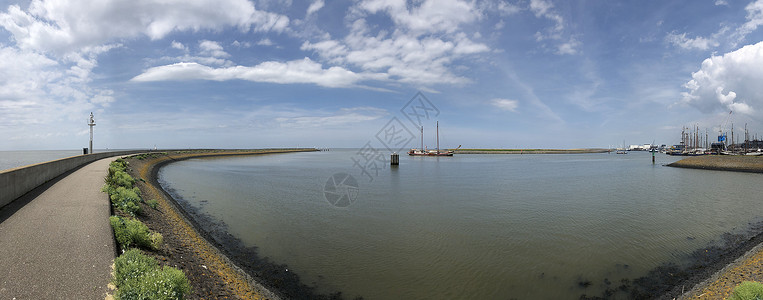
pixel 695 143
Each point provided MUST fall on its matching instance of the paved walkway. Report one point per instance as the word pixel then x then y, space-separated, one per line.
pixel 56 241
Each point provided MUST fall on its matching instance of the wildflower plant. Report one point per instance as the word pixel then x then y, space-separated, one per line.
pixel 138 276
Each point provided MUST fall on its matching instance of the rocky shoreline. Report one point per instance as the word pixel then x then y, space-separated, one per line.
pixel 697 275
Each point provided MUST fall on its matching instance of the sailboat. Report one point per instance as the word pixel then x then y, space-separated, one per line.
pixel 624 150
pixel 436 152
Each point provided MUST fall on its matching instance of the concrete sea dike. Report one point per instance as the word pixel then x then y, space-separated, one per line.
pixel 737 163
pixel 16 182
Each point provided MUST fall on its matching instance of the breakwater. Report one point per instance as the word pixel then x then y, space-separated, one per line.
pixel 739 163
pixel 212 271
pixel 16 182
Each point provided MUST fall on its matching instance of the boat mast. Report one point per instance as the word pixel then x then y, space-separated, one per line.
pixel 438 137
pixel 422 138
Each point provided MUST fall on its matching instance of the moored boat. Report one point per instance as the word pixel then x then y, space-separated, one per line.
pixel 437 152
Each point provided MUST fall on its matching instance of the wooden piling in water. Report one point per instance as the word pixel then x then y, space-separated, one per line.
pixel 394 159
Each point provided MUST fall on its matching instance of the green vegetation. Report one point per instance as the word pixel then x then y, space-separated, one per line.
pixel 118 175
pixel 152 203
pixel 119 186
pixel 748 290
pixel 126 200
pixel 138 276
pixel 130 232
pixel 148 155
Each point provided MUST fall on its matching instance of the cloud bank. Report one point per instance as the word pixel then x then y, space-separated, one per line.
pixel 296 71
pixel 61 26
pixel 728 82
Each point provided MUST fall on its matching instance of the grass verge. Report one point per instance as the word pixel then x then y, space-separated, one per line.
pixel 748 290
pixel 136 275
pixel 131 232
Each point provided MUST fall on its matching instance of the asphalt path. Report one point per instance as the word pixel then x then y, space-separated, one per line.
pixel 56 241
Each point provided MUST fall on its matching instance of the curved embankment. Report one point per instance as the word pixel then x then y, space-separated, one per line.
pixel 737 163
pixel 211 272
pixel 529 151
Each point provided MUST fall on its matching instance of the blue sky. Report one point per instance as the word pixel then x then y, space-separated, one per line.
pixel 282 73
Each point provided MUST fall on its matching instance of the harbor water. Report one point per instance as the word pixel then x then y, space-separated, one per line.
pixel 469 226
pixel 15 159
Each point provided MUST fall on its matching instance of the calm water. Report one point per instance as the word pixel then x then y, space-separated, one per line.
pixel 14 159
pixel 470 226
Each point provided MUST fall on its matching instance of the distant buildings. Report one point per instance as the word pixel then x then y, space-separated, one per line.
pixel 646 147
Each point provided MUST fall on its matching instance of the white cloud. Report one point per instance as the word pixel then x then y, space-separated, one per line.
pixel 24 76
pixel 263 125
pixel 265 42
pixel 46 74
pixel 754 19
pixel 61 26
pixel 545 9
pixel 422 49
pixel 700 43
pixel 179 46
pixel 505 104
pixel 213 49
pixel 209 53
pixel 342 118
pixel 570 47
pixel 508 8
pixel 314 7
pixel 296 71
pixel 498 26
pixel 236 43
pixel 430 16
pixel 41 97
pixel 728 82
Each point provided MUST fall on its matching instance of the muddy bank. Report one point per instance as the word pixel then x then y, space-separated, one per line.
pixel 204 255
pixel 695 276
pixel 737 163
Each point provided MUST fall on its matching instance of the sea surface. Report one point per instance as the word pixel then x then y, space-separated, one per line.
pixel 470 226
pixel 14 159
